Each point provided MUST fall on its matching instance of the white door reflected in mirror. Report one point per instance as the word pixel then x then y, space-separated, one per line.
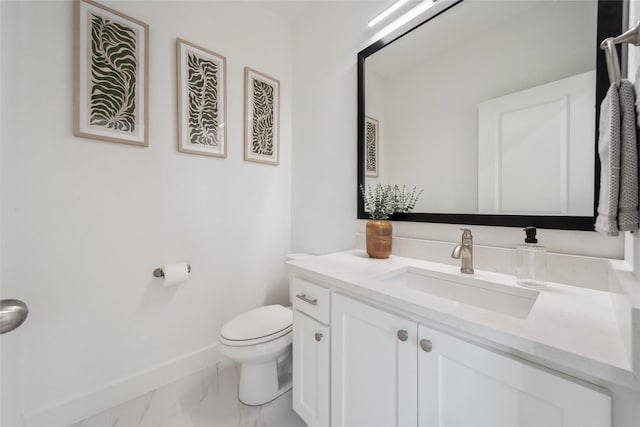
pixel 534 150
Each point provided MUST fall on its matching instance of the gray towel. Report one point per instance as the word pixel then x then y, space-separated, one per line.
pixel 637 85
pixel 609 150
pixel 628 218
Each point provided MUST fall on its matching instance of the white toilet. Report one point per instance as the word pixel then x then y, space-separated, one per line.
pixel 260 340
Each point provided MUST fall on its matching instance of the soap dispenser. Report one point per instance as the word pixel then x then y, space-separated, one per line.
pixel 531 261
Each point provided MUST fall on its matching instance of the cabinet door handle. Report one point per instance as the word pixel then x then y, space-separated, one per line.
pixel 426 345
pixel 318 336
pixel 403 335
pixel 305 298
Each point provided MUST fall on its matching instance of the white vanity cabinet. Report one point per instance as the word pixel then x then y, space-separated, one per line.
pixel 374 367
pixel 357 364
pixel 461 384
pixel 390 371
pixel 311 352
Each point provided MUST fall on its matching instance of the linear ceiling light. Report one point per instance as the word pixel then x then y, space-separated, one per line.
pixel 403 19
pixel 386 12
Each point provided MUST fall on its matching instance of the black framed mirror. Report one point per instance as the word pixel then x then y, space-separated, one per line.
pixel 492 109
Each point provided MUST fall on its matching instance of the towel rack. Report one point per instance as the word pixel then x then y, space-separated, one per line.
pixel 632 35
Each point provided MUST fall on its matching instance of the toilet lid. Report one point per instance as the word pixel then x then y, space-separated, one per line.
pixel 258 323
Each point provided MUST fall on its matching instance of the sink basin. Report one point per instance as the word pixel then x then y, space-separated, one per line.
pixel 466 289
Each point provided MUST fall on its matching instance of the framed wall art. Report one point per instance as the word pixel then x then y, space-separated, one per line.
pixel 262 117
pixel 201 100
pixel 111 53
pixel 371 130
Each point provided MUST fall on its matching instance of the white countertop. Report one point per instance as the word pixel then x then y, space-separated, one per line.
pixel 569 328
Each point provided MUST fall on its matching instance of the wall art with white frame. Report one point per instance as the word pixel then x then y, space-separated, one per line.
pixel 201 100
pixel 262 117
pixel 372 146
pixel 111 53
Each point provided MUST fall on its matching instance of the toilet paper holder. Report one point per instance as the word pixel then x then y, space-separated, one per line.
pixel 159 272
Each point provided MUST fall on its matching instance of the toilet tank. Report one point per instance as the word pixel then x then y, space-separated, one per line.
pixel 293 257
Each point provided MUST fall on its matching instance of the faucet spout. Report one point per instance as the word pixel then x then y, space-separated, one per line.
pixel 456 252
pixel 464 252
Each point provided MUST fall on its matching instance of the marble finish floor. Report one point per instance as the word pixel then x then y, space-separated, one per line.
pixel 204 399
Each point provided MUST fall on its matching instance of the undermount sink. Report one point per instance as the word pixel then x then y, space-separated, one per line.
pixel 471 290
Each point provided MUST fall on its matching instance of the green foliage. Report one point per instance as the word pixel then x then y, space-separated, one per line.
pixel 386 200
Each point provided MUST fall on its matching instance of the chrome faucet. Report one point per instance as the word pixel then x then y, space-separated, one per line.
pixel 464 251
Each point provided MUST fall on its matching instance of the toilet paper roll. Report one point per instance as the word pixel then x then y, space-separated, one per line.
pixel 175 274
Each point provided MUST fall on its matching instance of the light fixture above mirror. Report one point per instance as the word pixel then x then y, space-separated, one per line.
pixel 386 12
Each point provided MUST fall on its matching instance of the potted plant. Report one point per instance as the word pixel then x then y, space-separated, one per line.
pixel 382 202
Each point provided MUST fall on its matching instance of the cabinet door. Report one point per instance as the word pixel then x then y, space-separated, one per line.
pixel 461 384
pixel 311 370
pixel 373 366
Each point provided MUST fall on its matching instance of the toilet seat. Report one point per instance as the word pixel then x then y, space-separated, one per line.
pixel 257 326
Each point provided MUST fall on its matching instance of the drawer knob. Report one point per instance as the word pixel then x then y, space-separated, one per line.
pixel 403 335
pixel 318 336
pixel 309 300
pixel 426 345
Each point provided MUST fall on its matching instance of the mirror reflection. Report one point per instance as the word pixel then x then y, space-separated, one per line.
pixel 489 108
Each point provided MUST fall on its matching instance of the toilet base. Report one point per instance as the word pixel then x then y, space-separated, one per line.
pixel 260 383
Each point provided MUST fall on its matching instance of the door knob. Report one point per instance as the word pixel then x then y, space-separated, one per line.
pixel 426 345
pixel 403 335
pixel 12 314
pixel 318 336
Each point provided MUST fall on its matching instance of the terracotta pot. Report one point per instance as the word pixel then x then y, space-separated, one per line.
pixel 379 238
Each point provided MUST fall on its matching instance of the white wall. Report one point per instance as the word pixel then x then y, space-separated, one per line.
pixel 84 222
pixel 327 36
pixel 324 158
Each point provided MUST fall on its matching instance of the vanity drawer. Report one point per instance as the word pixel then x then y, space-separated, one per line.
pixel 311 299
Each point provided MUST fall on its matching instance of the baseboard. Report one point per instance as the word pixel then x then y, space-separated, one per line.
pixel 125 389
